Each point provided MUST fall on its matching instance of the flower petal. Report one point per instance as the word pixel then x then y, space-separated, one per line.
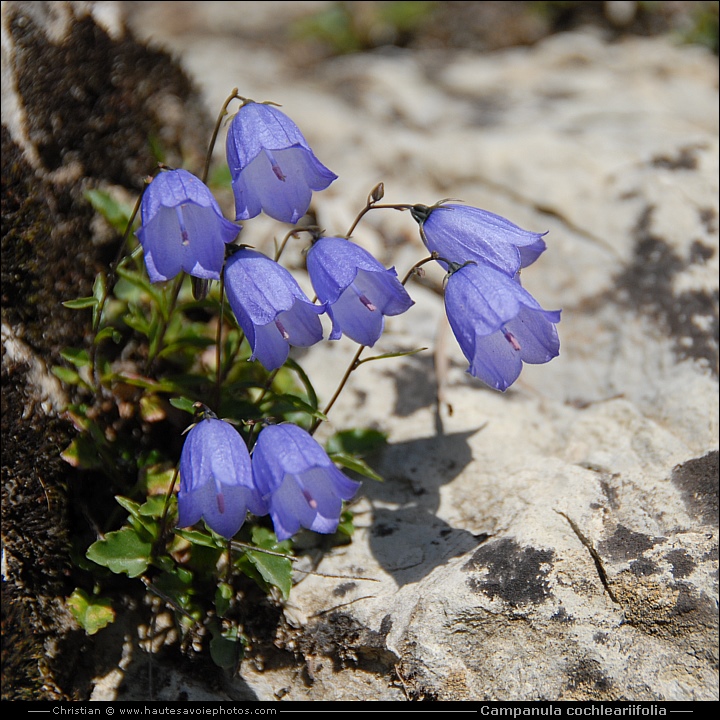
pixel 498 324
pixel 460 233
pixel 273 168
pixel 183 228
pixel 301 485
pixel 216 481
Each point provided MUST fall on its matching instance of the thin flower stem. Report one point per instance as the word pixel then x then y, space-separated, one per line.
pixel 229 566
pixel 268 385
pixel 356 362
pixel 109 281
pixel 374 206
pixel 166 506
pixel 223 112
pixel 352 366
pixel 237 545
pixel 218 345
pixel 292 233
pixel 165 323
pixel 417 265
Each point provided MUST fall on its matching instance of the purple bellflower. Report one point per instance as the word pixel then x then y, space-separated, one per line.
pixel 498 324
pixel 298 480
pixel 460 233
pixel 183 228
pixel 358 290
pixel 270 307
pixel 272 166
pixel 216 479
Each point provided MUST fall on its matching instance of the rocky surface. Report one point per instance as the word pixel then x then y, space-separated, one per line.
pixel 558 541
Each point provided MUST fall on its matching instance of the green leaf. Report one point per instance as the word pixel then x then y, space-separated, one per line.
pixel 357 441
pixel 79 358
pixel 158 479
pixel 116 213
pixel 176 584
pixel 346 525
pixel 223 597
pixel 141 283
pixel 80 303
pixel 110 332
pixel 92 613
pixel 356 465
pixel 294 402
pixel 82 453
pixel 147 383
pixel 153 507
pixel 403 353
pixel 226 646
pixel 140 521
pixel 312 397
pixel 274 570
pixel 199 538
pixel 68 375
pixel 122 551
pixel 183 403
pixel 152 408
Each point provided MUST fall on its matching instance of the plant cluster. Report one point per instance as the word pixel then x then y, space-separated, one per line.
pixel 218 320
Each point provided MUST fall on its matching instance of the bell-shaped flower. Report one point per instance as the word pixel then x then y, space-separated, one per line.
pixel 298 480
pixel 460 233
pixel 358 290
pixel 498 324
pixel 183 228
pixel 273 168
pixel 216 482
pixel 270 307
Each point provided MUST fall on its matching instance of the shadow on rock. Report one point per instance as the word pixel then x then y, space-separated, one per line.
pixel 410 541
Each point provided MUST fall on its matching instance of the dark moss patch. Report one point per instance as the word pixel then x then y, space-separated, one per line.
pixel 97 100
pixel 515 574
pixel 21 651
pixel 668 610
pixel 646 286
pixel 682 564
pixel 697 481
pixel 625 544
pixel 40 223
pixel 95 109
pixel 643 567
pixel 346 642
pixel 343 589
pixel 587 681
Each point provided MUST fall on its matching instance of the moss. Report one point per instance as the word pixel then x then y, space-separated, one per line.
pixel 97 109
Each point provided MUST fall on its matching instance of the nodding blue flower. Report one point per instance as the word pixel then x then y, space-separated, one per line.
pixel 358 290
pixel 298 480
pixel 498 324
pixel 270 307
pixel 460 233
pixel 216 482
pixel 273 168
pixel 183 228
